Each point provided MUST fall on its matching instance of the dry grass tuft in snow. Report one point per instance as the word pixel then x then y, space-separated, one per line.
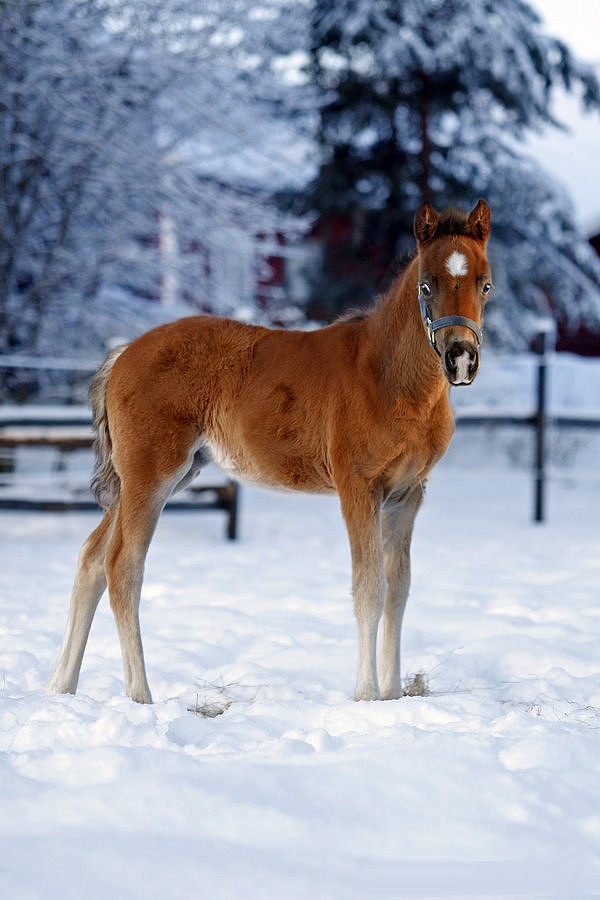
pixel 209 707
pixel 416 685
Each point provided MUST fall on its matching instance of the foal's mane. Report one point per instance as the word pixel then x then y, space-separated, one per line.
pixel 452 222
pixel 354 315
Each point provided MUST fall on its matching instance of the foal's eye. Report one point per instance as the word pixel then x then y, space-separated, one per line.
pixel 425 289
pixel 486 288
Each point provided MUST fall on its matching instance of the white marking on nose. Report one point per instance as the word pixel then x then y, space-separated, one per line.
pixel 457 264
pixel 462 363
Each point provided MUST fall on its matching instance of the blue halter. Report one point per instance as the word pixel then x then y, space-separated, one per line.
pixel 433 325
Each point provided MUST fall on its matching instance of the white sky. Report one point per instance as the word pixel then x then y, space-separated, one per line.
pixel 574 156
pixel 577 22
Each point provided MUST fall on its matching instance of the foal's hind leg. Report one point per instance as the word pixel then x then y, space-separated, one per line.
pixel 149 471
pixel 90 583
pixel 398 519
pixel 135 524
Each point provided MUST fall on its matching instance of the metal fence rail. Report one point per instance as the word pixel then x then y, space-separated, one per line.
pixel 540 420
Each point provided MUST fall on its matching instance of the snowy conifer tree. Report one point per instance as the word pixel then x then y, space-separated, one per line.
pixel 428 100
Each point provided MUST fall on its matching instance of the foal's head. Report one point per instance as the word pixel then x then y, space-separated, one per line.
pixel 454 283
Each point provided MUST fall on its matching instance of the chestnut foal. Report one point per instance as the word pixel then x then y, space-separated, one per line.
pixel 360 407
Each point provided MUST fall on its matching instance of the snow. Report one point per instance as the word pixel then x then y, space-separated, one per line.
pixel 488 786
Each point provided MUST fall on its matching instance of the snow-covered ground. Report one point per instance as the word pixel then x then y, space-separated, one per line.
pixel 487 787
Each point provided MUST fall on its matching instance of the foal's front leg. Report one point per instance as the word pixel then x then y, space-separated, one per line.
pixel 398 519
pixel 361 510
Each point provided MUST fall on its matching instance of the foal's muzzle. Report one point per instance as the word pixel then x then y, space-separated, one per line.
pixel 460 362
pixel 460 359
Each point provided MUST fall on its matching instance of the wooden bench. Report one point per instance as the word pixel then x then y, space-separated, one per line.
pixel 73 432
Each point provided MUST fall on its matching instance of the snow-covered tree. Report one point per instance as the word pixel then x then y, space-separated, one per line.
pixel 72 113
pixel 120 124
pixel 429 100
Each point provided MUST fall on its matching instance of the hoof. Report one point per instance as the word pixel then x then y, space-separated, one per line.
pixel 394 692
pixel 59 687
pixel 366 694
pixel 142 697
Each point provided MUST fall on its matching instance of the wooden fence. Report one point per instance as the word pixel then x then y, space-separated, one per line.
pixel 67 429
pixel 47 429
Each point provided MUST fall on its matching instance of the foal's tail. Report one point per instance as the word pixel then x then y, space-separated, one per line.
pixel 105 483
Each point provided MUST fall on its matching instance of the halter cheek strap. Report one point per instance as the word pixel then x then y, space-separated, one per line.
pixel 433 325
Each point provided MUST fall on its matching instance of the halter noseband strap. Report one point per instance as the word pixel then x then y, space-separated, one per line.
pixel 433 325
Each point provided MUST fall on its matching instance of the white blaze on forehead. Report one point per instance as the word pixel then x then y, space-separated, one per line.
pixel 457 264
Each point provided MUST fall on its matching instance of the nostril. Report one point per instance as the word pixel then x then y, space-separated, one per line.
pixel 450 360
pixel 461 361
pixel 461 348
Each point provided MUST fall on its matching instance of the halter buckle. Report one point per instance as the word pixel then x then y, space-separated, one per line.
pixel 427 321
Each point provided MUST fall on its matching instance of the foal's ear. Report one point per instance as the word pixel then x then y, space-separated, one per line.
pixel 425 223
pixel 479 221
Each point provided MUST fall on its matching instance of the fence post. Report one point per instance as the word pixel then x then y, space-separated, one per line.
pixel 546 328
